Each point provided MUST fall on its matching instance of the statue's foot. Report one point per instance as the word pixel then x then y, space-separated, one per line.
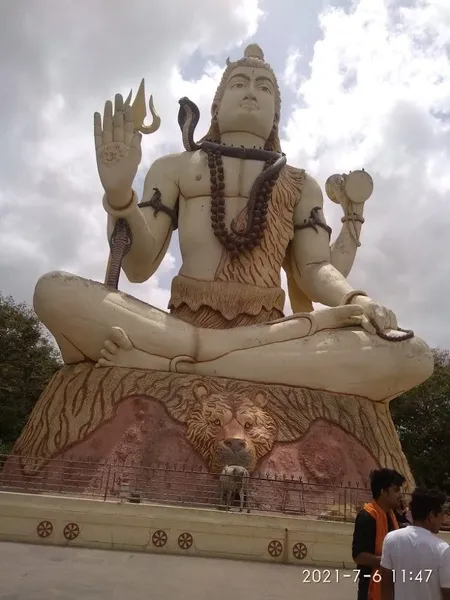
pixel 119 351
pixel 115 349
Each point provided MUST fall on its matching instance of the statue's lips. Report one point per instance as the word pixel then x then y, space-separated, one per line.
pixel 249 105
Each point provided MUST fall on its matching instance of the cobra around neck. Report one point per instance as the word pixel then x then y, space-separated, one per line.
pixel 242 138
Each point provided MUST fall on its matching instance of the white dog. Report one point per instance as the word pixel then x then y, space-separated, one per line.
pixel 234 479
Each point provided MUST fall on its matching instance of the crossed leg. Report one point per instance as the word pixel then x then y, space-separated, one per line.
pixel 83 314
pixel 92 322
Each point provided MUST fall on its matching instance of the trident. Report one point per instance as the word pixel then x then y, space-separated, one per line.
pixel 121 237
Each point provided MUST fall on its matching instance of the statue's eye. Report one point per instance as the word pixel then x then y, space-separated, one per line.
pixel 265 88
pixel 238 85
pixel 216 422
pixel 247 425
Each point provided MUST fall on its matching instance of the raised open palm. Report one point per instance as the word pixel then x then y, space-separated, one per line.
pixel 118 149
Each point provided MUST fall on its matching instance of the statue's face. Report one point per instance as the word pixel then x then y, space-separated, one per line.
pixel 248 103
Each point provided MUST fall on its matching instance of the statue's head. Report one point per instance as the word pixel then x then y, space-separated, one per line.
pixel 247 100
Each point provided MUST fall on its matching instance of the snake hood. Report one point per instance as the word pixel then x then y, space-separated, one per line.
pixel 188 118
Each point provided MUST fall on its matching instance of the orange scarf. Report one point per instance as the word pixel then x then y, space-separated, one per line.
pixel 382 530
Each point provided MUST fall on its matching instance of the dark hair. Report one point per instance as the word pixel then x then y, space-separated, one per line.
pixel 382 479
pixel 425 502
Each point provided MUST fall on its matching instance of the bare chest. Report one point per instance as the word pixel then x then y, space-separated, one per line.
pixel 238 176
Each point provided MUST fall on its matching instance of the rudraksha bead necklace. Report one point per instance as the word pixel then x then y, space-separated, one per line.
pixel 236 241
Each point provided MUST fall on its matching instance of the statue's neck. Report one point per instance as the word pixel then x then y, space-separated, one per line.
pixel 242 138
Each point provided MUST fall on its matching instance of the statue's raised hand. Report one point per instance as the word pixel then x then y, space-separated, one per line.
pixel 118 150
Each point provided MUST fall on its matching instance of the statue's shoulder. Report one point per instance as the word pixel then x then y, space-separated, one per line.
pixel 174 160
pixel 306 183
pixel 295 174
pixel 310 181
pixel 311 189
pixel 168 160
pixel 167 165
pixel 295 170
pixel 301 178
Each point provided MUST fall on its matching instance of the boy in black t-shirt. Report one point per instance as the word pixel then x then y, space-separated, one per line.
pixel 372 523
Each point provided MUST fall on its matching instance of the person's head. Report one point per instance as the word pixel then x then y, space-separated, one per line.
pixel 386 487
pixel 427 508
pixel 247 100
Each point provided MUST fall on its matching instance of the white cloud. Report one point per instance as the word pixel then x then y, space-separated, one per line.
pixel 291 76
pixel 57 75
pixel 377 97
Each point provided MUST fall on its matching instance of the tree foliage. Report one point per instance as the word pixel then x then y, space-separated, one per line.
pixel 27 362
pixel 422 418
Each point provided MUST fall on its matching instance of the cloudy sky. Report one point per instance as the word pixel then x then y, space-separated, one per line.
pixel 364 84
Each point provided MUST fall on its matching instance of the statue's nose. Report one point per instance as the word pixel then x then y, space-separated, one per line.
pixel 235 444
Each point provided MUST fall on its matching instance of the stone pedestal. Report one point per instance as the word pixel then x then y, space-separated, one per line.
pixel 142 419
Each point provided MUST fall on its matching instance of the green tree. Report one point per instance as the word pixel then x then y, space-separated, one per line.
pixel 27 362
pixel 422 418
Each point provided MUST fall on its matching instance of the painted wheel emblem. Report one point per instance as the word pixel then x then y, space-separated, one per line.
pixel 299 551
pixel 275 548
pixel 71 531
pixel 44 529
pixel 159 538
pixel 185 541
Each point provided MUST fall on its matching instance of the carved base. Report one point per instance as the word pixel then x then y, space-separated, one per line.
pixel 117 415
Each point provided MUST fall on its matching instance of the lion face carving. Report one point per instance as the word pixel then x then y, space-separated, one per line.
pixel 229 429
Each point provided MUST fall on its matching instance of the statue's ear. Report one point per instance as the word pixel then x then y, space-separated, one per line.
pixel 260 400
pixel 200 392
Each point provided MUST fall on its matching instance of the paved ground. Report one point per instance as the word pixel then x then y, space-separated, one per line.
pixel 30 572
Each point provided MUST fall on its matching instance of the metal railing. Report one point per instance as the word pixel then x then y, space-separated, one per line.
pixel 178 485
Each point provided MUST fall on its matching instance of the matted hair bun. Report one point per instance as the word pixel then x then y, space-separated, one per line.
pixel 254 51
